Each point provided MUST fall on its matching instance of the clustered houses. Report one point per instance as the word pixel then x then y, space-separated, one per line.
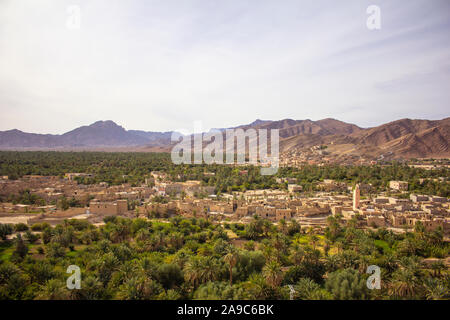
pixel 192 199
pixel 190 188
pixel 53 188
pixel 320 155
pixel 72 176
pixel 431 211
pixel 98 198
pixel 398 185
pixel 329 185
pixel 108 208
pixel 273 205
pixel 164 187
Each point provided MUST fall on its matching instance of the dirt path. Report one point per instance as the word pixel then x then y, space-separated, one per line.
pixel 15 219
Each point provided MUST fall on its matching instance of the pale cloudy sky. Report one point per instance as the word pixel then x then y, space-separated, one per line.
pixel 160 65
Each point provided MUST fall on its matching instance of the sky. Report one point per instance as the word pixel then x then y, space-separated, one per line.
pixel 161 65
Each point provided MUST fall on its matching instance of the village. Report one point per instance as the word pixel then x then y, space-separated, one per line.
pixel 161 198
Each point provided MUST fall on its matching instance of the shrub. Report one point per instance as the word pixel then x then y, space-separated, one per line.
pixel 5 230
pixel 347 284
pixel 31 237
pixel 19 227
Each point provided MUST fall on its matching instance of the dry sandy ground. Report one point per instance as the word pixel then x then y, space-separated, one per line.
pixel 15 219
pixel 81 216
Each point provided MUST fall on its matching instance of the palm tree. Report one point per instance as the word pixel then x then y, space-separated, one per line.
pixel 256 286
pixel 272 273
pixel 326 247
pixel 193 271
pixel 294 227
pixel 436 236
pixel 127 271
pixel 339 245
pixel 314 240
pixel 266 227
pixel 437 267
pixel 419 229
pixel 334 227
pixel 283 226
pixel 269 252
pixel 139 288
pixel 306 289
pixel 363 263
pixel 21 249
pixel 435 289
pixel 200 270
pixel 278 242
pixel 334 262
pixel 210 269
pixel 413 264
pixel 92 289
pixel 54 289
pixel 389 263
pixel 119 233
pixel 298 255
pixel 404 283
pixel 231 258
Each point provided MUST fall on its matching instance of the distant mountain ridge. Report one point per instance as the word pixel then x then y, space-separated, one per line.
pixel 404 138
pixel 99 134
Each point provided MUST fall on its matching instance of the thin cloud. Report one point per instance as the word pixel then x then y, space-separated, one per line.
pixel 160 65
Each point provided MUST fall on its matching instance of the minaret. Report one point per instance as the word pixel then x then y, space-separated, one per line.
pixel 356 195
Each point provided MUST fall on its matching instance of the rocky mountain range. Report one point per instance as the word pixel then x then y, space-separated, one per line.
pixel 405 138
pixel 101 134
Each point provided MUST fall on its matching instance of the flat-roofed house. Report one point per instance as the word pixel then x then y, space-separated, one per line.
pixel 398 185
pixel 285 214
pixel 108 208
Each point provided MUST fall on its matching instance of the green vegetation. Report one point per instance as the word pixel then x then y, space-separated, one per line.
pixel 195 259
pixel 118 168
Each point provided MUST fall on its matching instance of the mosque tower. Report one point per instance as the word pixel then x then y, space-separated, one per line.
pixel 356 196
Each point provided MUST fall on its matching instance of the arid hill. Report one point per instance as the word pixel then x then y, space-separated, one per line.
pixel 405 138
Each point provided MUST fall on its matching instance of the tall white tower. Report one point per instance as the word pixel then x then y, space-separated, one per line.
pixel 356 196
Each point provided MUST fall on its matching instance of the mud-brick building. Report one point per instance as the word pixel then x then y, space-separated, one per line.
pixel 108 208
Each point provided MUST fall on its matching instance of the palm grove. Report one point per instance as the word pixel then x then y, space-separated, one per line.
pixel 196 259
pixel 180 258
pixel 117 168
